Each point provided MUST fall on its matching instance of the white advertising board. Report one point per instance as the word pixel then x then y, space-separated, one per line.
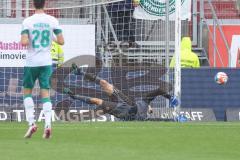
pixel 79 40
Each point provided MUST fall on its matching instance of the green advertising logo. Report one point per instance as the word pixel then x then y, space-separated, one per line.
pixel 158 7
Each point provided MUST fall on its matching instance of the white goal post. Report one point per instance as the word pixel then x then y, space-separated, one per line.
pixel 177 70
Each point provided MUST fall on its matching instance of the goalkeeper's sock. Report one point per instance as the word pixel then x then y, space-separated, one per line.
pixel 79 97
pixel 83 98
pixel 29 109
pixel 47 110
pixel 92 78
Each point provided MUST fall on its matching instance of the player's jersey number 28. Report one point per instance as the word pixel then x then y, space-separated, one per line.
pixel 40 38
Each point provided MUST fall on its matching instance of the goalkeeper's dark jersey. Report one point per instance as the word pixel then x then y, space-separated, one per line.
pixel 142 109
pixel 129 109
pixel 127 112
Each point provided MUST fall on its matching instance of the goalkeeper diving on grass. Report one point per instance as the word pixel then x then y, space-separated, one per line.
pixel 122 106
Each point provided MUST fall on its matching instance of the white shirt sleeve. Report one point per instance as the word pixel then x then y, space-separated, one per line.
pixel 57 28
pixel 25 28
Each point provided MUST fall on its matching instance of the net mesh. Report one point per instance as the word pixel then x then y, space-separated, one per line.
pixel 122 44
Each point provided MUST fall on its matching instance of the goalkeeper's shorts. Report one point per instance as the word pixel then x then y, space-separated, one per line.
pixel 42 73
pixel 120 110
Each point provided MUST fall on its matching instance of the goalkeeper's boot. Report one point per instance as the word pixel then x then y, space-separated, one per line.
pixel 31 130
pixel 87 76
pixel 69 92
pixel 47 133
pixel 75 69
pixel 174 102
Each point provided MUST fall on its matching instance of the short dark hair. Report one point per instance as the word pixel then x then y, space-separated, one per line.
pixel 39 4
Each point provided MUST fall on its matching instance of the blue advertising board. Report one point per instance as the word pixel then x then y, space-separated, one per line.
pixel 199 90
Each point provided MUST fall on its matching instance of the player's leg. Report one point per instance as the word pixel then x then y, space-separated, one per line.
pixel 78 97
pixel 86 99
pixel 29 79
pixel 108 88
pixel 113 92
pixel 119 110
pixel 47 110
pixel 89 100
pixel 44 82
pixel 87 76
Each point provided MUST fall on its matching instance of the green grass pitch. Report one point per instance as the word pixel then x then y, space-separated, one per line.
pixel 123 141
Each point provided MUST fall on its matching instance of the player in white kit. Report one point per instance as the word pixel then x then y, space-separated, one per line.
pixel 37 33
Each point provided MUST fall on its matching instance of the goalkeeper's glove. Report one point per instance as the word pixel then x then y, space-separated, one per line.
pixel 174 102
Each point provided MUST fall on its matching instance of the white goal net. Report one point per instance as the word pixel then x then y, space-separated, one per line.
pixel 130 50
